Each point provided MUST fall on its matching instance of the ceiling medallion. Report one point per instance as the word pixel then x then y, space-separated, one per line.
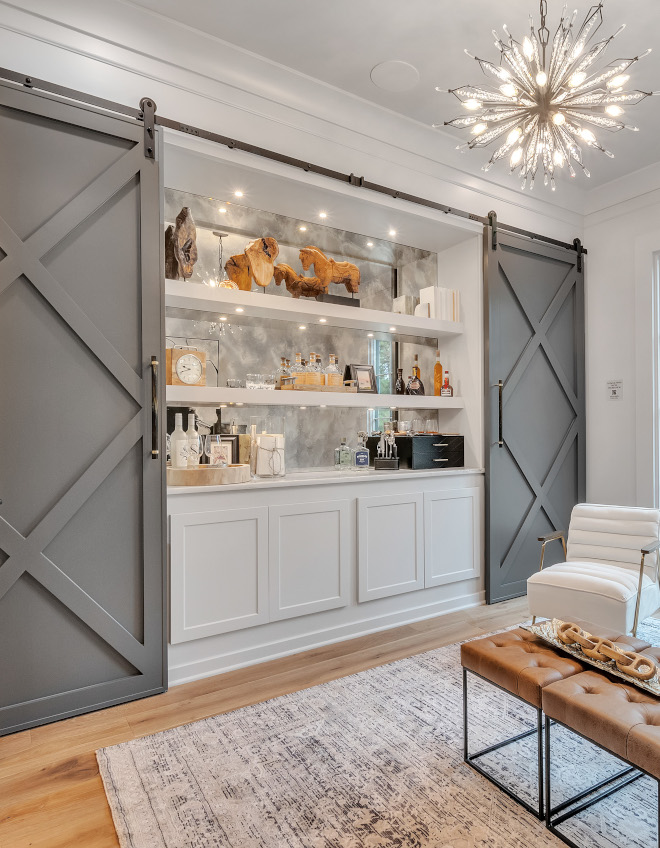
pixel 547 98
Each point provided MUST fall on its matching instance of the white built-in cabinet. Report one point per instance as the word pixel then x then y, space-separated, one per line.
pixel 296 550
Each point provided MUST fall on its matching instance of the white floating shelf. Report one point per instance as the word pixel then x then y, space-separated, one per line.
pixel 211 396
pixel 212 303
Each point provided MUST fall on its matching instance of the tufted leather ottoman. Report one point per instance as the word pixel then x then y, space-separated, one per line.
pixel 519 662
pixel 523 665
pixel 616 716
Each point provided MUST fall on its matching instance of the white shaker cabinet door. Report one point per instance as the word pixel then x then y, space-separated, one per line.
pixel 452 522
pixel 309 557
pixel 219 572
pixel 390 545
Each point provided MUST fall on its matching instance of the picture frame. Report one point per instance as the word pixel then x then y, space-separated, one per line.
pixel 231 441
pixel 364 376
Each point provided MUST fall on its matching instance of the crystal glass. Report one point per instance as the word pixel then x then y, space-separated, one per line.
pixel 234 384
pixel 194 451
pixel 269 381
pixel 417 426
pixel 431 426
pixel 216 450
pixel 254 381
pixel 404 427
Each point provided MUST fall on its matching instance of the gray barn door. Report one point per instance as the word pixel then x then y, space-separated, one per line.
pixel 535 461
pixel 81 519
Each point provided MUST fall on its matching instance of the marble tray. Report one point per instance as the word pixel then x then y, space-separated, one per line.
pixel 547 630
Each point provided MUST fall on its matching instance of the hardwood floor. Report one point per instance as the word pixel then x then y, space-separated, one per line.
pixel 51 795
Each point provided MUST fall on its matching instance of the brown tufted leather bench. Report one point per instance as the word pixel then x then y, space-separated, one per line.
pixel 616 716
pixel 522 664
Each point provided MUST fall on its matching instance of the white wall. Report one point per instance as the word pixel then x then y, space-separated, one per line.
pixel 621 238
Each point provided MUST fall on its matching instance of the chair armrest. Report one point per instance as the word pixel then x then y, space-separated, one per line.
pixel 648 549
pixel 558 534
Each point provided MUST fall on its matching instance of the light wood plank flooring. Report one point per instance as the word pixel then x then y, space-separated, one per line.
pixel 51 795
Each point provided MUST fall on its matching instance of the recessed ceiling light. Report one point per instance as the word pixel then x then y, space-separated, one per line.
pixel 370 244
pixel 238 194
pixel 223 317
pixel 302 407
pixel 239 404
pixel 323 406
pixel 222 210
pixel 302 327
pixel 323 320
pixel 240 309
pixel 392 329
pixel 323 214
pixel 223 406
pixel 392 407
pixel 302 229
pixel 392 232
pixel 370 335
pixel 395 75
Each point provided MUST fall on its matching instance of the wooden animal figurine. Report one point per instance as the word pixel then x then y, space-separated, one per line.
pixel 330 271
pixel 237 269
pixel 296 284
pixel 181 246
pixel 261 254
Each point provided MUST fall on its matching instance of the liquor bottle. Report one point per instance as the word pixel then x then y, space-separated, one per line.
pixel 437 374
pixel 343 456
pixel 192 435
pixel 446 390
pixel 282 371
pixel 332 372
pixel 361 454
pixel 179 443
pixel 315 376
pixel 415 385
pixel 400 385
pixel 298 370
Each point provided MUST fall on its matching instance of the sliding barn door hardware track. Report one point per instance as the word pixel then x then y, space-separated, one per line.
pixel 148 116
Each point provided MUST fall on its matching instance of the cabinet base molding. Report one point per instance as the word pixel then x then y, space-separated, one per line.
pixel 196 660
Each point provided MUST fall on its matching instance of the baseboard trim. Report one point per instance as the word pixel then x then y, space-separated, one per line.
pixel 229 661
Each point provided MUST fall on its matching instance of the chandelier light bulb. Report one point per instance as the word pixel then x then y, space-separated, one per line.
pixel 577 79
pixel 547 97
pixel 618 81
pixel 513 136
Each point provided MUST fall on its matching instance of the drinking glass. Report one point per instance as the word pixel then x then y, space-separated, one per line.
pixel 417 426
pixel 254 381
pixel 431 426
pixel 194 451
pixel 216 450
pixel 404 427
pixel 270 381
pixel 233 384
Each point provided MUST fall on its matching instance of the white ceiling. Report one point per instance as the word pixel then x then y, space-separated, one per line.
pixel 340 41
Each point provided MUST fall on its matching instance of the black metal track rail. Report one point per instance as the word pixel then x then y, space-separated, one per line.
pixel 274 156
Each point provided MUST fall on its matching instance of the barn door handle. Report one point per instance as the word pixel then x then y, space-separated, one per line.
pixel 154 407
pixel 500 440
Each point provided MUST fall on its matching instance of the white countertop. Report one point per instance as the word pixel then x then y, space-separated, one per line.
pixel 320 477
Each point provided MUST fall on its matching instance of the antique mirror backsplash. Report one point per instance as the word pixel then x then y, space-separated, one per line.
pixel 242 346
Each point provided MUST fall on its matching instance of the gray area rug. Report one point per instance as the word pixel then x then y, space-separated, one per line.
pixel 369 761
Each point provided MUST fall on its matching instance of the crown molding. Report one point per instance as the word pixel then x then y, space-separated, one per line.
pixel 638 186
pixel 171 61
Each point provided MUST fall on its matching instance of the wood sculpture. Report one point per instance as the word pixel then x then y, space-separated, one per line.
pixel 181 246
pixel 329 270
pixel 296 284
pixel 261 254
pixel 237 269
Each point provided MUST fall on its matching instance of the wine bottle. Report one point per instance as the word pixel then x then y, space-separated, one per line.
pixel 437 374
pixel 193 442
pixel 179 443
pixel 400 385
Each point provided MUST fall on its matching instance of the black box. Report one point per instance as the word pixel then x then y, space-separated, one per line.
pixel 425 451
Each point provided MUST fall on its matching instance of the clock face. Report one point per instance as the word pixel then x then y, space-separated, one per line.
pixel 189 368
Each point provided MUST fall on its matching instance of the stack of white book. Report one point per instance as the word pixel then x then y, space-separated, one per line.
pixel 440 303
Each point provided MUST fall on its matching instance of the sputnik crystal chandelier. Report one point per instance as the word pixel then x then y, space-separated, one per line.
pixel 546 99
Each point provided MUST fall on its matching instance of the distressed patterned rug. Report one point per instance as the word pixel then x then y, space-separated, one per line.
pixel 369 761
